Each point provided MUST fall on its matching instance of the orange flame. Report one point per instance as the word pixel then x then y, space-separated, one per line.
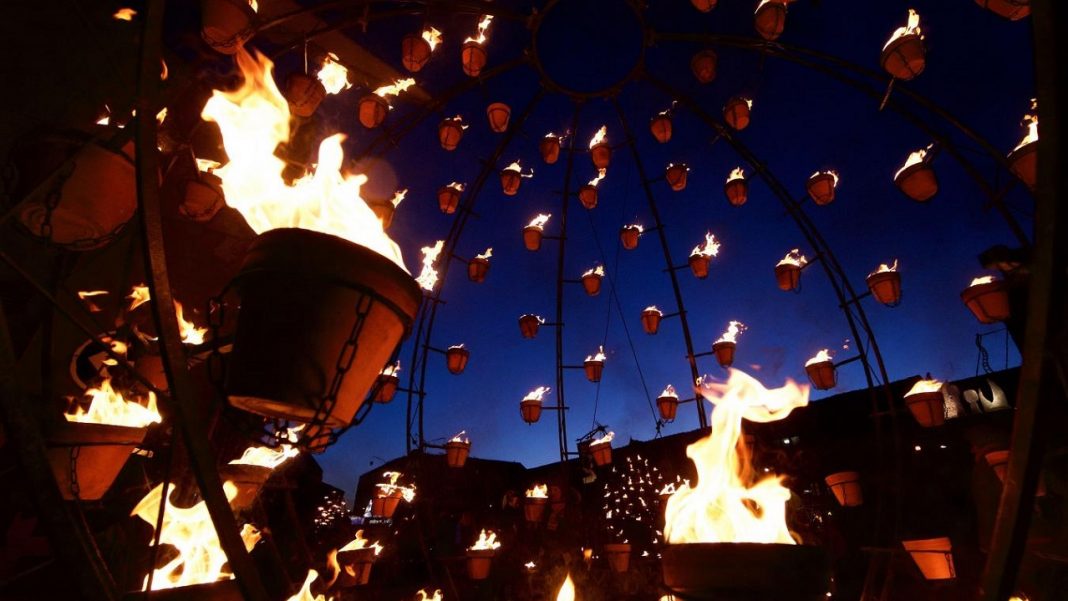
pixel 709 249
pixel 85 294
pixel 333 75
pixel 483 26
pixel 107 406
pixel 914 158
pixel 794 257
pixel 361 543
pixel 567 590
pixel 536 394
pixel 394 88
pixel 600 176
pixel 820 357
pixel 1032 127
pixel 305 594
pixel 124 14
pixel 423 596
pixel 539 491
pixel 266 456
pixel 733 330
pixel 922 386
pixel 737 173
pixel 885 268
pixel 599 137
pixel 432 37
pixel 486 541
pixel 428 278
pixel 985 279
pixel 540 221
pixel 911 28
pixel 387 488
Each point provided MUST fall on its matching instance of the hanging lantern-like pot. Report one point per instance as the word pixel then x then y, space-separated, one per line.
pixel 304 93
pixel 355 566
pixel 86 458
pixel 530 410
pixel 770 19
pixel 822 374
pixel 651 320
pixel 934 557
pixel 549 148
pixel 473 56
pixel 415 52
pixel 588 196
pixel 601 453
pixel 299 296
pixel 601 155
pixel 532 235
pixel 528 325
pixel 479 562
pixel 498 115
pixel 249 480
pixel 788 277
pixel 724 351
pixel 904 58
pixel 846 488
pixel 917 181
pixel 386 388
pixel 1024 163
pixel 629 235
pixel 203 197
pixel 384 504
pixel 989 301
pixel 618 555
pixel 591 283
pixel 534 508
pixel 885 286
pixel 594 369
pixel 456 452
pixel 477 269
pixel 927 407
pixel 699 265
pixel 746 571
pixel 226 24
pixel 737 191
pixel 703 64
pixel 668 406
pixel 1014 10
pixel 660 126
pixel 373 110
pixel 456 359
pixel 510 180
pixel 448 199
pixel 676 176
pixel 821 188
pixel 736 111
pixel 450 132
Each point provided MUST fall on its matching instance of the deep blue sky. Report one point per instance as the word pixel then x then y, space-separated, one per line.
pixel 979 68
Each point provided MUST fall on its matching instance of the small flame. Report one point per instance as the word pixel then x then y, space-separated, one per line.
pixel 600 175
pixel 485 255
pixel 603 439
pixel 922 386
pixel 266 456
pixel 653 309
pixel 530 565
pixel 107 406
pixel 884 268
pixel 124 14
pixel 423 596
pixel 595 271
pixel 683 165
pixel 709 249
pixel 737 173
pixel 634 226
pixel 361 543
pixel 733 330
pixel 398 197
pixel 486 541
pixel 567 590
pixel 820 357
pixel 599 137
pixel 515 166
pixel 387 488
pixel 669 391
pixel 428 278
pixel 395 88
pixel 830 172
pixel 914 158
pixel 391 370
pixel 254 5
pixel 540 221
pixel 138 296
pixel 432 37
pixel 536 394
pixel 457 186
pixel 191 334
pixel 333 75
pixel 985 279
pixel 599 357
pixel 208 165
pixel 1032 127
pixel 85 294
pixel 539 491
pixel 305 594
pixel 794 257
pixel 483 26
pixel 912 28
pixel 461 437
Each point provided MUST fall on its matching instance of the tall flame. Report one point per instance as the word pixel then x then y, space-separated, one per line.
pixel 305 594
pixel 254 120
pixel 138 296
pixel 709 249
pixel 1032 126
pixel 911 28
pixel 486 541
pixel 394 88
pixel 599 137
pixel 333 75
pixel 820 357
pixel 432 37
pixel 540 221
pixel 536 394
pixel 191 334
pixel 539 491
pixel 734 328
pixel 729 503
pixel 914 158
pixel 736 173
pixel 428 278
pixel 483 26
pixel 567 590
pixel 107 406
pixel 600 176
pixel 794 257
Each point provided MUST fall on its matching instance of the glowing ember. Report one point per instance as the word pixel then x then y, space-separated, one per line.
pixel 596 271
pixel 729 504
pixel 986 279
pixel 391 370
pixel 820 357
pixel 733 330
pixel 536 394
pixel 914 159
pixel 737 173
pixel 599 357
pixel 85 294
pixel 794 257
pixel 709 249
pixel 540 491
pixel 390 487
pixel 398 197
pixel 603 439
pixel 483 26
pixel 107 406
pixel 923 386
pixel 333 75
pixel 124 14
pixel 830 172
pixel 461 437
pixel 912 28
pixel 599 137
pixel 428 278
pixel 884 268
pixel 1032 127
pixel 361 543
pixel 669 391
pixel 540 221
pixel 305 594
pixel 432 37
pixel 485 255
pixel 515 166
pixel 486 541
pixel 600 175
pixel 423 596
pixel 266 456
pixel 254 120
pixel 567 590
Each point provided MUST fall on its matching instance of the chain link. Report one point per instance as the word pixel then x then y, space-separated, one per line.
pixel 54 196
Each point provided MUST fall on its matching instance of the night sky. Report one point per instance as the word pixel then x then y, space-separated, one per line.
pixel 978 68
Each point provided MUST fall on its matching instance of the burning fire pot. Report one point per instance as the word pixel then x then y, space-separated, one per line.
pixel 746 571
pixel 511 177
pixel 926 403
pixel 549 148
pixel 498 115
pixel 456 451
pixel 294 286
pixel 416 49
pixel 591 280
pixel 676 176
pixel 480 556
pixel 91 455
pixel 449 198
pixel 594 366
pixel 846 488
pixel 386 385
pixel 456 359
pixel 651 317
pixel 916 178
pixel 385 502
pixel 450 132
pixel 473 57
pixel 769 19
pixel 821 187
pixel 618 555
pixel 629 235
pixel 304 94
pixel 660 126
pixel 736 188
pixel 535 502
pixel 988 299
pixel 724 351
pixel 736 111
pixel 788 276
pixel 478 267
pixel 588 196
pixel 249 480
pixel 529 324
pixel 373 110
pixel 600 151
pixel 885 285
pixel 821 371
pixel 601 450
pixel 530 406
pixel 668 403
pixel 356 566
pixel 903 56
pixel 703 64
pixel 226 24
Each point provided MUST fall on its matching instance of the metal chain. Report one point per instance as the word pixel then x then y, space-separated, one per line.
pixel 984 356
pixel 54 195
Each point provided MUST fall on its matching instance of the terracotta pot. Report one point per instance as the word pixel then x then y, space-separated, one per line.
pixel 226 24
pixel 415 52
pixel 456 359
pixel 299 293
pixel 203 197
pixel 746 571
pixel 676 176
pixel 668 407
pixel 385 506
pixel 1024 163
pixel 703 64
pixel 821 188
pixel 456 453
pixel 618 555
pixel 479 562
pixel 249 480
pixel 918 182
pixel 904 57
pixel 594 369
pixel 846 488
pixel 988 302
pixel 651 321
pixel 737 191
pixel 788 277
pixel 602 453
pixel 769 19
pixel 588 196
pixel 304 93
pixel 703 5
pixel 473 56
pixel 724 351
pixel 98 453
pixel 530 410
pixel 532 237
pixel 1014 10
pixel 510 180
pixel 223 590
pixel 549 147
pixel 934 557
pixel 528 325
pixel 373 110
pixel 999 462
pixel 699 265
pixel 477 269
pixel 355 567
pixel 736 111
pixel 384 209
pixel 592 284
pixel 601 155
pixel 629 237
pixel 660 126
pixel 448 199
pixel 386 388
pixel 927 407
pixel 498 115
pixel 534 508
pixel 885 286
pixel 450 132
pixel 822 374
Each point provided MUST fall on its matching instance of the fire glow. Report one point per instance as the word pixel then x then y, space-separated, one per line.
pixel 107 406
pixel 737 173
pixel 486 541
pixel 915 158
pixel 729 504
pixel 603 439
pixel 361 543
pixel 536 394
pixel 428 278
pixel 597 271
pixel 922 386
pixel 391 487
pixel 709 249
pixel 515 166
pixel 391 370
pixel 599 137
pixel 567 590
pixel 820 357
pixel 266 456
pixel 423 596
pixel 483 27
pixel 432 37
pixel 984 279
pixel 1031 121
pixel 600 176
pixel 830 172
pixel 538 491
pixel 911 28
pixel 885 268
pixel 461 437
pixel 733 330
pixel 669 391
pixel 333 75
pixel 599 357
pixel 540 221
pixel 794 257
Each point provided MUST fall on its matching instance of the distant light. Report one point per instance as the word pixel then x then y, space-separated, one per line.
pixel 942 446
pixel 917 448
